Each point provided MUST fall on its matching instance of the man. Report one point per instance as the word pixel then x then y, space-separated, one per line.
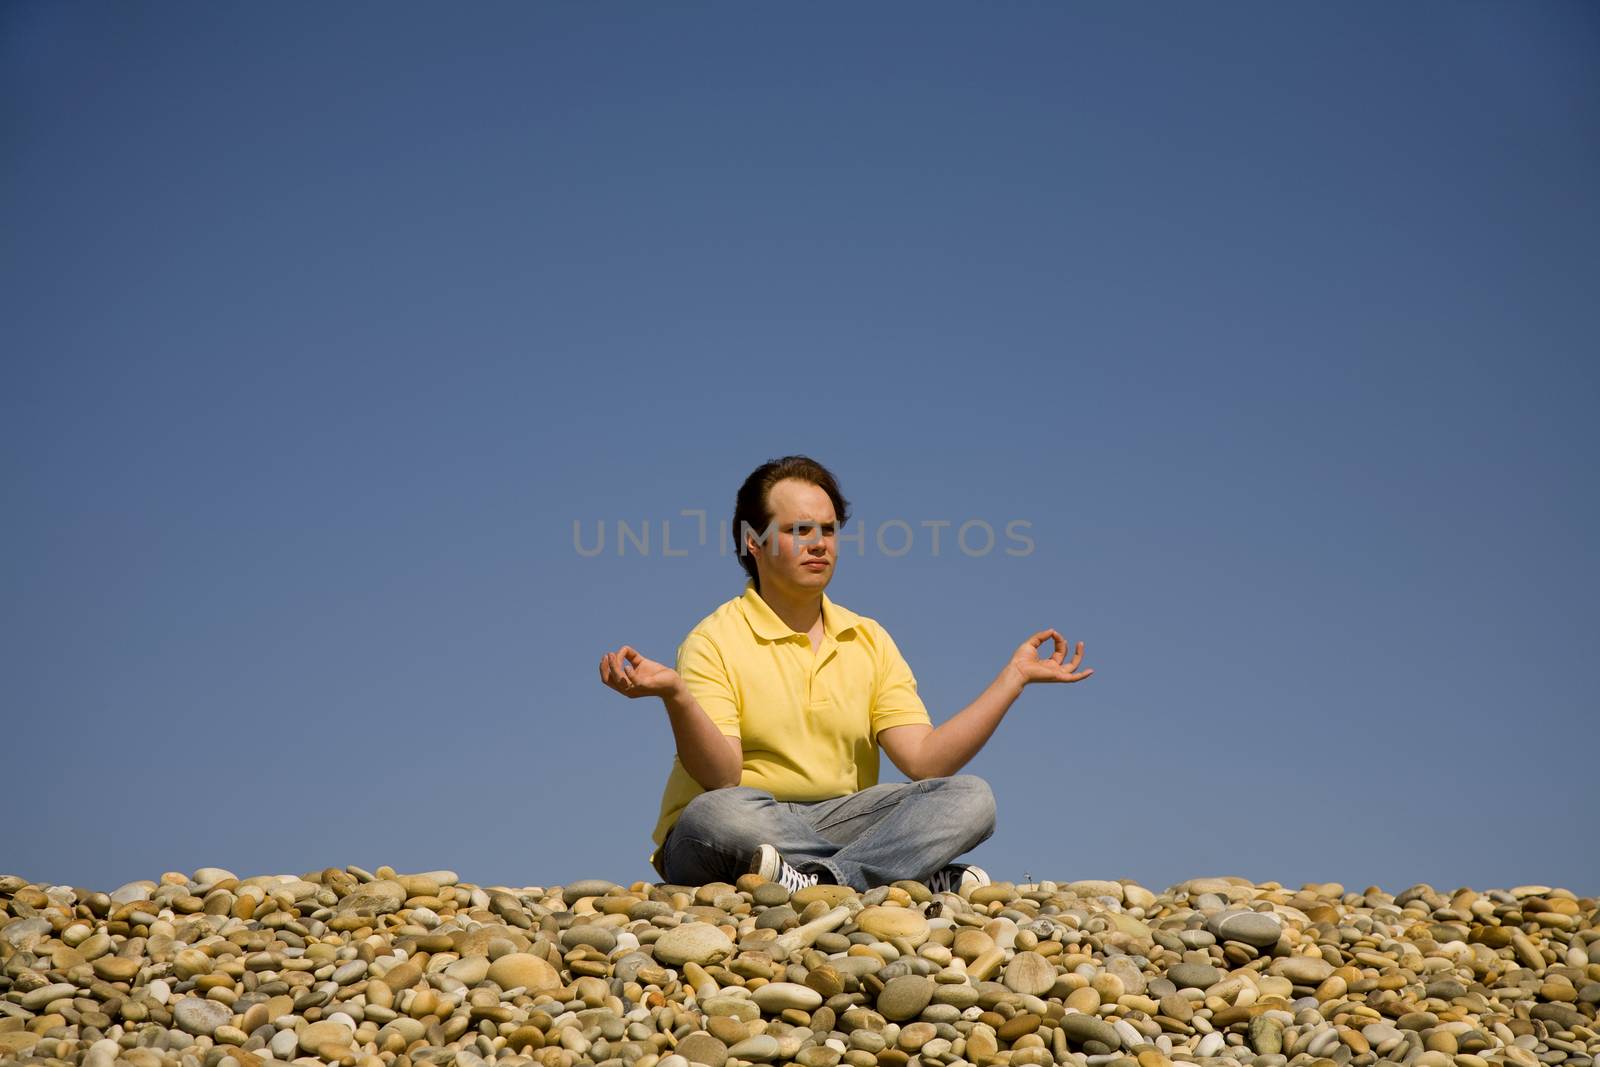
pixel 780 702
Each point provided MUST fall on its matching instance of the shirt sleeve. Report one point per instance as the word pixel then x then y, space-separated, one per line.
pixel 706 677
pixel 896 702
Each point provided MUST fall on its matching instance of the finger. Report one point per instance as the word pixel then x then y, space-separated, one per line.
pixel 1077 658
pixel 1060 644
pixel 1037 639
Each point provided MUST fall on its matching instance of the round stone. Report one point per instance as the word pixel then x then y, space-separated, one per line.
pixel 201 1017
pixel 904 997
pixel 760 1048
pixel 595 937
pixel 770 894
pixel 1265 1035
pixel 403 976
pixel 1080 1028
pixel 116 968
pixel 1194 975
pixel 701 1047
pixel 1030 974
pixel 102 1053
pixel 524 969
pixel 699 943
pixel 1303 970
pixel 382 897
pixel 915 1035
pixel 889 923
pixel 326 1033
pixel 970 944
pixel 1254 928
pixel 776 997
pixel 587 887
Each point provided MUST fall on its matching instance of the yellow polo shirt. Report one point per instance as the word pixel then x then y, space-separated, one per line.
pixel 808 722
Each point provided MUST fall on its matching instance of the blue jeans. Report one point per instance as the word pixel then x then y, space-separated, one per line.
pixel 868 838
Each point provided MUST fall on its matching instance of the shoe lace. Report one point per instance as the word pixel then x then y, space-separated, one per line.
pixel 946 880
pixel 794 880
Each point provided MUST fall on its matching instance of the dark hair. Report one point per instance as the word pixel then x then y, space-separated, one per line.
pixel 751 506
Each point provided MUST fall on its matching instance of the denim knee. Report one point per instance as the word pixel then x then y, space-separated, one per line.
pixel 734 818
pixel 973 804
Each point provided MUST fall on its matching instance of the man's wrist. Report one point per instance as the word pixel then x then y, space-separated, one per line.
pixel 1011 678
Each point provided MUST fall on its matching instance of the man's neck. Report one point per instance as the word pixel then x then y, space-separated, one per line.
pixel 800 613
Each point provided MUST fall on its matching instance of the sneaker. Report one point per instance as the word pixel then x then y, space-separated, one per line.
pixel 770 864
pixel 958 877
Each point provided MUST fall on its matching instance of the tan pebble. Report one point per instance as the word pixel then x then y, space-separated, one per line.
pixel 888 923
pixel 983 1046
pixel 424 1003
pixel 402 976
pixel 984 967
pixel 230 1035
pixel 1527 951
pixel 255 1017
pixel 1086 1000
pixel 116 968
pixel 1108 985
pixel 379 993
pixel 524 969
pixel 970 944
pixel 1174 1006
pixel 326 1034
pixel 1030 974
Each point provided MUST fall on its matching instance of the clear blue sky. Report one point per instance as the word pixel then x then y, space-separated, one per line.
pixel 323 326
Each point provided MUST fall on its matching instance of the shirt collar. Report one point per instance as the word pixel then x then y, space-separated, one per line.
pixel 764 621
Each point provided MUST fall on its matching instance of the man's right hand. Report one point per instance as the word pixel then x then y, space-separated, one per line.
pixel 634 676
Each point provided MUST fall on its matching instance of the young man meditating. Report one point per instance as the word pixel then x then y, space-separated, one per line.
pixel 779 703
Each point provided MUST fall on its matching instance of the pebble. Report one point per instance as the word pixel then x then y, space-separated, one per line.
pixel 885 924
pixel 761 1048
pixel 521 969
pixel 905 997
pixel 201 1017
pixel 1029 973
pixel 776 997
pixel 1303 970
pixel 1250 927
pixel 701 1047
pixel 1194 975
pixel 363 967
pixel 699 943
pixel 1080 1028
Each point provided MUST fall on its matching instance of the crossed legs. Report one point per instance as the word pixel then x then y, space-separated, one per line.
pixel 873 837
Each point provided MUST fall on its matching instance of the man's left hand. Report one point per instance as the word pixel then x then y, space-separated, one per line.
pixel 1028 667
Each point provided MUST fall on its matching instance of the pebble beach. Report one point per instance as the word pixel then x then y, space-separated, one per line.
pixel 385 969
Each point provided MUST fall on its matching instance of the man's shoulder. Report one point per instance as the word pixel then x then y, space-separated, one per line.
pixel 723 623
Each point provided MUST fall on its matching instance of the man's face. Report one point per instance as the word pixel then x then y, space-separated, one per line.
pixel 802 548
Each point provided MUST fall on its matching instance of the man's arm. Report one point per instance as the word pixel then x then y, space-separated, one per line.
pixel 711 757
pixel 921 751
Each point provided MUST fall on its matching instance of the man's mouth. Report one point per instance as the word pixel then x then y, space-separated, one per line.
pixel 816 564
